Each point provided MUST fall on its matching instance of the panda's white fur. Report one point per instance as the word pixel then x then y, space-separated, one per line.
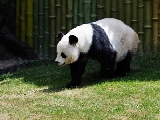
pixel 122 38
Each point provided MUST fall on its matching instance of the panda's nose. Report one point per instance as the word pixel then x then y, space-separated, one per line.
pixel 56 61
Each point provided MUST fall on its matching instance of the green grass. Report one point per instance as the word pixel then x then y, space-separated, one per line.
pixel 39 93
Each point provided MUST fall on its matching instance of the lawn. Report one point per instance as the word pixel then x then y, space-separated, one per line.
pixel 39 93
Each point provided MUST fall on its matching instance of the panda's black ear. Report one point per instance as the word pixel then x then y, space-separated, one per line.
pixel 60 35
pixel 73 40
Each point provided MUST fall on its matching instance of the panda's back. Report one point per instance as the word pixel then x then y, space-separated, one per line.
pixel 122 37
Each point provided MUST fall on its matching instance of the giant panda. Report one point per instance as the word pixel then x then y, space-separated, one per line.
pixel 108 41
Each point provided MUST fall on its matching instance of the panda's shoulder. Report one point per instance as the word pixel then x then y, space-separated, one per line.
pixel 82 27
pixel 81 31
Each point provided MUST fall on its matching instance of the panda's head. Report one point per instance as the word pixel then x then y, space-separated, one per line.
pixel 67 50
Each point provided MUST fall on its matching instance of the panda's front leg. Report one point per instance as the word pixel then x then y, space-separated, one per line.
pixel 77 69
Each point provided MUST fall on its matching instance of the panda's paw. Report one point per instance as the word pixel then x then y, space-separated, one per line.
pixel 72 86
pixel 121 73
pixel 107 75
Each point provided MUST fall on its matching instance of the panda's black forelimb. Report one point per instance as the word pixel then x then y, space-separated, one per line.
pixel 77 69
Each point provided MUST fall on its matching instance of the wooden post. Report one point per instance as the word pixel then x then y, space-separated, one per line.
pixel 155 25
pixel 46 28
pixel 35 26
pixel 52 21
pixel 140 25
pixel 29 22
pixel 148 25
pixel 87 7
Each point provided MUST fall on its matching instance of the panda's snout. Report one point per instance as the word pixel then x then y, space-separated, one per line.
pixel 56 61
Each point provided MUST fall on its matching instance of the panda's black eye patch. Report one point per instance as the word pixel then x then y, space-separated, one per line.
pixel 63 55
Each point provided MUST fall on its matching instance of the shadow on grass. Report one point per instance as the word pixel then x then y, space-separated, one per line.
pixel 144 68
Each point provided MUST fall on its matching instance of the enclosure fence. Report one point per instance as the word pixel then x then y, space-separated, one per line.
pixel 37 22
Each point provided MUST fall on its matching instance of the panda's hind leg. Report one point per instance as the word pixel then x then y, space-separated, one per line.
pixel 123 67
pixel 107 65
pixel 107 70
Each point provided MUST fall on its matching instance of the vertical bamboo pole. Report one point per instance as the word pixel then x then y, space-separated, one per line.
pixel 140 24
pixel 22 20
pixel 134 15
pixel 147 24
pixel 35 26
pixel 80 13
pixel 93 10
pixel 128 12
pixel 46 28
pixel 58 18
pixel 159 24
pixel 100 9
pixel 17 20
pixel 87 7
pixel 107 8
pixel 29 22
pixel 75 13
pixel 120 10
pixel 69 15
pixel 41 27
pixel 155 25
pixel 63 28
pixel 52 21
pixel 114 9
pixel 12 7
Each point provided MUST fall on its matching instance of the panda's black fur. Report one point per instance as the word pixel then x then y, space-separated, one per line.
pixel 102 51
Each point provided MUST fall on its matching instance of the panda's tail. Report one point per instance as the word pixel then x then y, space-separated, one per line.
pixel 135 42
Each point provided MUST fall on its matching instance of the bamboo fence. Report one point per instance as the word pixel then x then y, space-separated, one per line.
pixel 17 20
pixel 22 20
pixel 155 25
pixel 29 20
pixel 35 25
pixel 52 32
pixel 46 28
pixel 37 22
pixel 141 23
